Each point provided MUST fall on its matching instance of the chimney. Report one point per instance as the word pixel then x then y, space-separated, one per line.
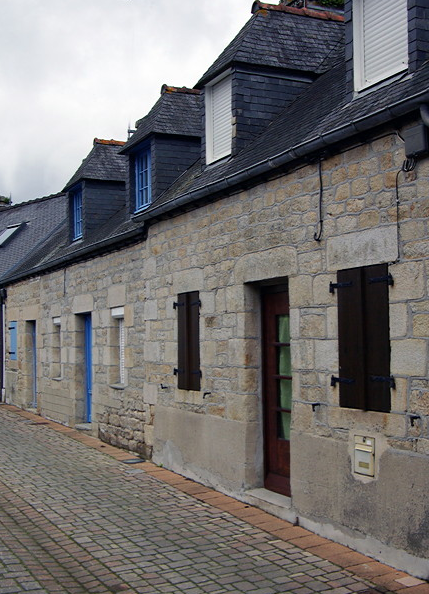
pixel 336 5
pixel 5 201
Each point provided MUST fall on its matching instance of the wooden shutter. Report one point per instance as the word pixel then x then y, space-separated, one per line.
pixel 182 351
pixel 188 327
pixel 351 338
pixel 219 129
pixel 385 38
pixel 363 338
pixel 377 359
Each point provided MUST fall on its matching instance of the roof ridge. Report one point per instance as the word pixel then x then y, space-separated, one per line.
pixel 186 90
pixel 325 15
pixel 41 199
pixel 110 142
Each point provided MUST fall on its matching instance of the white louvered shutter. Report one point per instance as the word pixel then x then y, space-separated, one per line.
pixel 219 129
pixel 121 351
pixel 385 39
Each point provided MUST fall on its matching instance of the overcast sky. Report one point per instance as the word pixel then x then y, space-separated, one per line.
pixel 72 70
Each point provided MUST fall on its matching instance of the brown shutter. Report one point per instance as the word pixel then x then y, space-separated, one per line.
pixel 188 341
pixel 376 292
pixel 351 338
pixel 181 341
pixel 194 341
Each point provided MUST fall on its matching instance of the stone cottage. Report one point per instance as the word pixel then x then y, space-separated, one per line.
pixel 243 295
pixel 24 227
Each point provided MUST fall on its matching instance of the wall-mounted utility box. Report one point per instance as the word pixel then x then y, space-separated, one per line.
pixel 364 455
pixel 416 141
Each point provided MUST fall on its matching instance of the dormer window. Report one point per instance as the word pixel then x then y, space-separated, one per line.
pixel 76 206
pixel 143 179
pixel 380 40
pixel 218 106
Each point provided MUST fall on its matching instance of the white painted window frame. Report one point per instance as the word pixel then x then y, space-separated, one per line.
pixel 118 314
pixel 211 154
pixel 360 81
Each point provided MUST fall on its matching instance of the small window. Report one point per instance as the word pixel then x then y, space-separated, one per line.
pixel 76 199
pixel 363 338
pixel 188 338
pixel 8 233
pixel 218 105
pixel 56 348
pixel 380 40
pixel 118 336
pixel 143 179
pixel 13 341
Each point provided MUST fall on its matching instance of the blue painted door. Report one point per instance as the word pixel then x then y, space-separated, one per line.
pixel 88 367
pixel 33 363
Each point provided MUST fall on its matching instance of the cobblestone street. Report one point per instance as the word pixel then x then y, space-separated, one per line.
pixel 76 519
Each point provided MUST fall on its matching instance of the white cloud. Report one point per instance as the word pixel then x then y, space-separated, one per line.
pixel 72 70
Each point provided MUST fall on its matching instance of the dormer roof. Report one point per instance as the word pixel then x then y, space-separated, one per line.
pixel 280 36
pixel 103 163
pixel 177 112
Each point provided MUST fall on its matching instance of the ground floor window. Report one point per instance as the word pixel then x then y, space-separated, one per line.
pixel 188 341
pixel 363 337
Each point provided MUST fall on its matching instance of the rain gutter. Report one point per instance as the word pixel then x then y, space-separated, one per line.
pixel 311 146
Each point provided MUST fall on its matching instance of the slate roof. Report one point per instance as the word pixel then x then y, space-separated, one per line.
pixel 321 116
pixel 177 112
pixel 41 218
pixel 103 163
pixel 282 37
pixel 56 250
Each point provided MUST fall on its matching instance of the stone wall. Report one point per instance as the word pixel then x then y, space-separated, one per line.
pixel 225 250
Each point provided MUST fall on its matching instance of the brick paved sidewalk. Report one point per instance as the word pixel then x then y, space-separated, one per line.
pixel 77 521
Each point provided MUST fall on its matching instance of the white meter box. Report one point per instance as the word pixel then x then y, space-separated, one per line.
pixel 364 455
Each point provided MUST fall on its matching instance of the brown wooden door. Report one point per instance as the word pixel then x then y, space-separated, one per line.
pixel 277 398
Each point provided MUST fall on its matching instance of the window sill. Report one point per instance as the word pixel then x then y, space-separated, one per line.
pixel 218 161
pixel 142 209
pixel 117 386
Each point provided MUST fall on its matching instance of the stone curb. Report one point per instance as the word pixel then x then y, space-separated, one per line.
pixel 385 579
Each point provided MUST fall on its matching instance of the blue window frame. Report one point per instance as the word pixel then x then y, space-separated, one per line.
pixel 77 214
pixel 13 347
pixel 143 179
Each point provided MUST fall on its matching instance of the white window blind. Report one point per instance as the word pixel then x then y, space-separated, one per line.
pixel 380 40
pixel 118 314
pixel 121 351
pixel 218 120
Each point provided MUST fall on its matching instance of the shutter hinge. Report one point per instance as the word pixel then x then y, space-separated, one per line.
pixel 341 380
pixel 198 302
pixel 382 279
pixel 177 304
pixel 333 286
pixel 199 372
pixel 381 378
pixel 176 371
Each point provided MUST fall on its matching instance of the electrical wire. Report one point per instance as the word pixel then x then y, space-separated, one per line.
pixel 407 166
pixel 318 233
